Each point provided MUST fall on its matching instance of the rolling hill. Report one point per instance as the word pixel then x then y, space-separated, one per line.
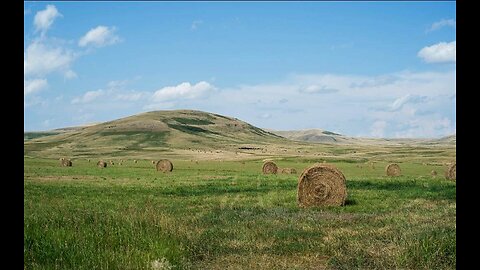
pixel 157 131
pixel 197 135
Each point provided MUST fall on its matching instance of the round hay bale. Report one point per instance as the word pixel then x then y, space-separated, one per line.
pixel 321 185
pixel 433 173
pixel 135 161
pixel 66 163
pixel 269 167
pixel 288 171
pixel 451 172
pixel 153 161
pixel 393 169
pixel 164 165
pixel 102 164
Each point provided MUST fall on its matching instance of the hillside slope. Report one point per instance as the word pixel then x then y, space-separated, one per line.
pixel 157 131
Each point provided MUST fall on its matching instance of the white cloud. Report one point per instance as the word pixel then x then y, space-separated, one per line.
pixel 439 53
pixel 133 96
pixel 44 18
pixel 317 89
pixel 183 91
pixel 99 36
pixel 35 85
pixel 70 74
pixel 378 129
pixel 195 24
pixel 409 104
pixel 409 98
pixel 41 59
pixel 442 23
pixel 422 127
pixel 88 96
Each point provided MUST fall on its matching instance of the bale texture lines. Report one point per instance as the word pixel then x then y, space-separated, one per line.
pixel 321 185
pixel 164 165
pixel 451 172
pixel 269 167
pixel 393 169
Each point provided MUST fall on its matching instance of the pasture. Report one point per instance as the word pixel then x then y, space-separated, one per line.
pixel 214 214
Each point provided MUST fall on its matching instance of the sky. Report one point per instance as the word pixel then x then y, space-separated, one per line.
pixel 363 69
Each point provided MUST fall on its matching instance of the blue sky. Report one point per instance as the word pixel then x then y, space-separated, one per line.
pixel 370 69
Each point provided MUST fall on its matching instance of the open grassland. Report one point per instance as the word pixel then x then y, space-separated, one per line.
pixel 211 214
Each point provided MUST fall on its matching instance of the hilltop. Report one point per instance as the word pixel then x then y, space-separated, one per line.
pixel 156 131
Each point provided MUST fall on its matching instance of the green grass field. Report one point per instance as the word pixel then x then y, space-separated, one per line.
pixel 227 215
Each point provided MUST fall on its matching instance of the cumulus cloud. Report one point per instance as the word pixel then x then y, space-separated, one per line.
pixel 88 96
pixel 35 85
pixel 45 18
pixel 99 36
pixel 412 104
pixel 439 53
pixel 183 91
pixel 41 59
pixel 442 23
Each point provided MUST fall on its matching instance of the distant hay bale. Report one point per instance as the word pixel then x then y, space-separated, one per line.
pixel 135 161
pixel 102 164
pixel 269 167
pixel 393 169
pixel 65 162
pixel 112 163
pixel 153 161
pixel 164 165
pixel 433 173
pixel 288 171
pixel 321 185
pixel 88 160
pixel 451 172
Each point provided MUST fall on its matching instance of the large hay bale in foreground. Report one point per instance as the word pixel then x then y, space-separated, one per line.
pixel 393 169
pixel 451 172
pixel 102 164
pixel 288 171
pixel 66 162
pixel 269 167
pixel 321 185
pixel 164 165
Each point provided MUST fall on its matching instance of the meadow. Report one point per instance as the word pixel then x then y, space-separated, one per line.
pixel 214 214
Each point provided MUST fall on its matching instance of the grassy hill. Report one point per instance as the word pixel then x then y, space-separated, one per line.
pixel 157 131
pixel 196 135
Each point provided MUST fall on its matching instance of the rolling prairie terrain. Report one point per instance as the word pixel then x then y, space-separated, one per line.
pixel 216 210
